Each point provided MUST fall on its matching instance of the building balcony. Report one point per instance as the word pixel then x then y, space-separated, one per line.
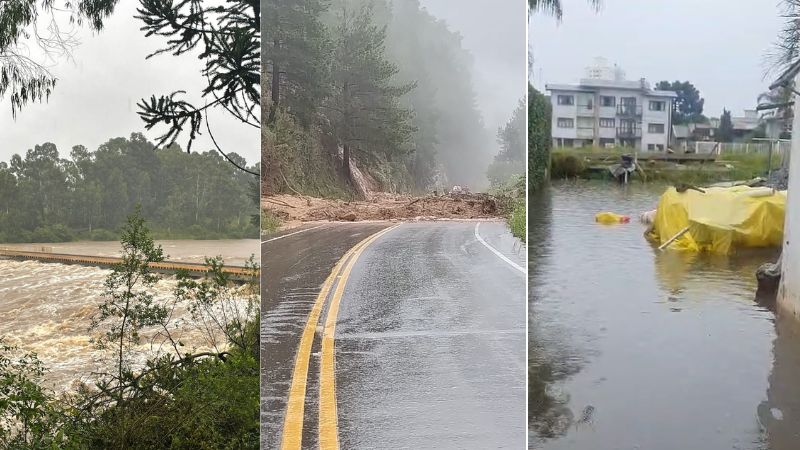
pixel 585 110
pixel 629 110
pixel 629 132
pixel 584 132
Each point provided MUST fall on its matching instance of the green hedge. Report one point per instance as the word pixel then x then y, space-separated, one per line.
pixel 539 138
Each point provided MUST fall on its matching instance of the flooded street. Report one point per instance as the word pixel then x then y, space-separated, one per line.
pixel 632 348
pixel 50 305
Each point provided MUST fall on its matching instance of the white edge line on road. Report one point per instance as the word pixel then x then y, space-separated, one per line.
pixel 496 252
pixel 292 234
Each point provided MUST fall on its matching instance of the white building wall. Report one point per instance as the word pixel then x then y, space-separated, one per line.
pixel 565 111
pixel 579 113
pixel 789 292
pixel 659 117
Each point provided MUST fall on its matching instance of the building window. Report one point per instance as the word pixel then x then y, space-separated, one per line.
pixel 607 123
pixel 655 128
pixel 608 101
pixel 654 147
pixel 566 123
pixel 657 106
pixel 566 100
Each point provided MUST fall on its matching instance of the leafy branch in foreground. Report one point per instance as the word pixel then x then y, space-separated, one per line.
pixel 27 417
pixel 228 42
pixel 27 78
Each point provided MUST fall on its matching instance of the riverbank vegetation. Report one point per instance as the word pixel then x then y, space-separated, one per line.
pixel 46 197
pixel 351 88
pixel 589 163
pixel 199 393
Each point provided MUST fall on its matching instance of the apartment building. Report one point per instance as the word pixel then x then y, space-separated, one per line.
pixel 611 112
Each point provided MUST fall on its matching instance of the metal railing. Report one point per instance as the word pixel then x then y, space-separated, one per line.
pixel 629 110
pixel 629 132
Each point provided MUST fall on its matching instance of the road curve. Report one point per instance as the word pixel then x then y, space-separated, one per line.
pixel 429 343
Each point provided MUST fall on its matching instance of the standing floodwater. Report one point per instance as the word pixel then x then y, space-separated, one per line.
pixel 632 348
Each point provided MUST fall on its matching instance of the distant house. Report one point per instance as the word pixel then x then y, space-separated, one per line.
pixel 605 110
pixel 746 125
pixel 680 137
pixel 702 131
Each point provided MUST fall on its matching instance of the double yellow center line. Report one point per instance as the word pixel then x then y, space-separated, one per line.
pixel 292 437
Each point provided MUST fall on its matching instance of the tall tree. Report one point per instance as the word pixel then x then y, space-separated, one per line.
pixel 367 115
pixel 688 106
pixel 725 132
pixel 296 52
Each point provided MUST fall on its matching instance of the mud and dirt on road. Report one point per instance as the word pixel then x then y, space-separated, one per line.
pixel 293 210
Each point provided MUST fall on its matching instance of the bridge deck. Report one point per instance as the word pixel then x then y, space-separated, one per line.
pixel 194 269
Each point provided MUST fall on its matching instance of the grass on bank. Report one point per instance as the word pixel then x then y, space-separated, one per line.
pixel 577 163
pixel 270 223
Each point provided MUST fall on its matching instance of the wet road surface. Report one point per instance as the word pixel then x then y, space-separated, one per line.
pixel 428 343
pixel 632 348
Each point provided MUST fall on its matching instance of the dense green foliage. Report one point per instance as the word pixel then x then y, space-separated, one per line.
pixel 357 85
pixel 47 198
pixel 539 138
pixel 688 106
pixel 179 399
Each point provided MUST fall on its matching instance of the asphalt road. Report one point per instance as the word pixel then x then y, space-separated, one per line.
pixel 416 341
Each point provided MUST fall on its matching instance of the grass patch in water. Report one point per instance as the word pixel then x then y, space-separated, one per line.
pixel 578 163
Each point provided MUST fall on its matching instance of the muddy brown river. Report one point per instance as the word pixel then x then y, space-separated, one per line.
pixel 47 308
pixel 632 348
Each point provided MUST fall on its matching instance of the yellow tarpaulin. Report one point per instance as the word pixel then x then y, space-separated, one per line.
pixel 721 219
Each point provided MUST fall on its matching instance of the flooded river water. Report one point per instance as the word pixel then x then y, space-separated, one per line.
pixel 632 348
pixel 47 308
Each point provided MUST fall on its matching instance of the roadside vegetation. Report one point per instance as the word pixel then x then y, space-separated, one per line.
pixel 539 140
pixel 507 172
pixel 188 394
pixel 45 197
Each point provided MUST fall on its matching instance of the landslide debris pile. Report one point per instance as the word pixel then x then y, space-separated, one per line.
pixel 382 206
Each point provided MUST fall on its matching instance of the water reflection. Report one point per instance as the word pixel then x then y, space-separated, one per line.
pixel 631 347
pixel 548 414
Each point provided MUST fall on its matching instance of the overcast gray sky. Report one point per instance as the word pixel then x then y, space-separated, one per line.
pixel 494 32
pixel 718 45
pixel 96 95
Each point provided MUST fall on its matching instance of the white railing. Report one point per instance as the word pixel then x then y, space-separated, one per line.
pixel 721 148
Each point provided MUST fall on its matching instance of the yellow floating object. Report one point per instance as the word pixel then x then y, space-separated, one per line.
pixel 720 220
pixel 609 218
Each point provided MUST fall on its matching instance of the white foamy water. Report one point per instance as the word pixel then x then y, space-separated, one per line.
pixel 47 308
